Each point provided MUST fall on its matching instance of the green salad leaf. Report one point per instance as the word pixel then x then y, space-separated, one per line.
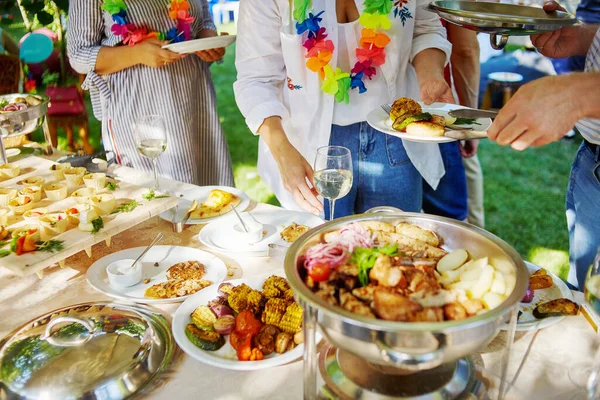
pixel 51 246
pixel 151 195
pixel 466 121
pixel 98 224
pixel 112 186
pixel 127 207
pixel 365 259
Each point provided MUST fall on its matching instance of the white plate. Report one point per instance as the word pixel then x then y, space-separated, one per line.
pixel 191 46
pixel 378 119
pixel 225 357
pixel 13 152
pixel 200 194
pixel 166 256
pixel 216 235
pixel 559 289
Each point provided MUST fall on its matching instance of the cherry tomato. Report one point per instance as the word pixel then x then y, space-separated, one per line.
pixel 244 349
pixel 245 322
pixel 234 339
pixel 320 272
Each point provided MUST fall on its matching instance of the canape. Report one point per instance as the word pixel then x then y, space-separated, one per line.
pixel 33 181
pixel 35 192
pixel 58 170
pixel 34 215
pixel 56 191
pixel 83 195
pixel 96 180
pixel 6 195
pixel 8 171
pixel 54 224
pixel 21 204
pixel 103 204
pixel 74 176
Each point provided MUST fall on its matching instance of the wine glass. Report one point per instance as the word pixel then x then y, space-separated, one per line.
pixel 151 139
pixel 586 375
pixel 333 174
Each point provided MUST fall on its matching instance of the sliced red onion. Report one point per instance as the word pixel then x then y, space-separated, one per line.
pixel 528 298
pixel 221 310
pixel 224 325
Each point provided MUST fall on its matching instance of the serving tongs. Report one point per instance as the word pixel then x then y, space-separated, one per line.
pixel 178 226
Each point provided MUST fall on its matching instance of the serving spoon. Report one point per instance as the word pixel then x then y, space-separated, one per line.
pixel 240 218
pixel 156 240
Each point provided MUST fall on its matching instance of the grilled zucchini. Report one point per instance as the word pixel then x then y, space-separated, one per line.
pixel 209 341
pixel 556 308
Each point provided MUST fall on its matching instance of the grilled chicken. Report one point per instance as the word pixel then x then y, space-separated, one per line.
pixel 455 311
pixel 410 244
pixel 354 305
pixel 394 307
pixel 428 314
pixel 186 270
pixel 365 293
pixel 385 274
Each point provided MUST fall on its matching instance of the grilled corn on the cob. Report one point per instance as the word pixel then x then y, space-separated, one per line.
pixel 292 319
pixel 274 311
pixel 238 298
pixel 275 286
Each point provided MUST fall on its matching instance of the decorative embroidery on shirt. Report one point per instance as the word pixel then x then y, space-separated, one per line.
pixel 400 10
pixel 291 86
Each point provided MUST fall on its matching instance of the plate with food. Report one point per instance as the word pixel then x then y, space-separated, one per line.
pixel 276 226
pixel 548 300
pixel 213 202
pixel 413 120
pixel 402 272
pixel 244 324
pixel 192 46
pixel 169 274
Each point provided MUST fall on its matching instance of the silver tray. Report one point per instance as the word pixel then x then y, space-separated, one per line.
pixel 500 20
pixel 23 122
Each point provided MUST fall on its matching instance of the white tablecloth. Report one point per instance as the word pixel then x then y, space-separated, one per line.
pixel 557 350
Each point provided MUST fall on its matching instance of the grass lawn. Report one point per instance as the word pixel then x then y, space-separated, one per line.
pixel 524 191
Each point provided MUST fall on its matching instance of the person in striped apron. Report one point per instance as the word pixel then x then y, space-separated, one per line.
pixel 543 110
pixel 118 44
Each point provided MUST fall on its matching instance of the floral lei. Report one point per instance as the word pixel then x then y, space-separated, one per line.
pixel 371 52
pixel 178 10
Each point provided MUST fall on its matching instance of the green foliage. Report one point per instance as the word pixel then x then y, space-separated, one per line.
pixel 50 78
pixel 365 258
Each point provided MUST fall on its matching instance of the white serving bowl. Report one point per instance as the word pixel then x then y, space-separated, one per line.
pixel 116 276
pixel 254 234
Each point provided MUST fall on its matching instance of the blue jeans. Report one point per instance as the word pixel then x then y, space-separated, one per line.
pixel 583 213
pixel 384 176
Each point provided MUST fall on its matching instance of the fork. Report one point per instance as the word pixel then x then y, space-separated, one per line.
pixel 387 108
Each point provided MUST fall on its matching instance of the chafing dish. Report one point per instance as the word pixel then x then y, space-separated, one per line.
pixel 25 121
pixel 411 346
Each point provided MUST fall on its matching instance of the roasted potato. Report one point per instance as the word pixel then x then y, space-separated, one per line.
pixel 425 129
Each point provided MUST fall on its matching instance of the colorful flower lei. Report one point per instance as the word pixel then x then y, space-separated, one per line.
pixel 178 10
pixel 319 51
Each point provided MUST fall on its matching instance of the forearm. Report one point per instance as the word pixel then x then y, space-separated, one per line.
pixel 465 65
pixel 589 100
pixel 115 59
pixel 429 62
pixel 271 131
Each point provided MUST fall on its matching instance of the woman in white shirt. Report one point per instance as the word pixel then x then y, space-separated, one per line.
pixel 281 92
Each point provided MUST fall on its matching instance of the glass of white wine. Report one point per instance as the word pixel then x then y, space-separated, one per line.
pixel 150 134
pixel 333 174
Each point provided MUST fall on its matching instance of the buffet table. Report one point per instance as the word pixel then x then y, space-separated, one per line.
pixel 557 349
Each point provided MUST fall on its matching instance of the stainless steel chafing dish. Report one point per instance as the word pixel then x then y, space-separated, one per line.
pixel 500 20
pixel 410 346
pixel 25 121
pixel 99 350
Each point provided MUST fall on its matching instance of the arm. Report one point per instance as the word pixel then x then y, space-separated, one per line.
pixel 261 76
pixel 9 44
pixel 465 64
pixel 86 53
pixel 530 117
pixel 430 52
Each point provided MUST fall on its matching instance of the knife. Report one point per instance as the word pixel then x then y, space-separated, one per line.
pixel 465 134
pixel 472 113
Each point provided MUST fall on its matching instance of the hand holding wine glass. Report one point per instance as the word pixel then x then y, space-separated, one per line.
pixel 151 139
pixel 333 174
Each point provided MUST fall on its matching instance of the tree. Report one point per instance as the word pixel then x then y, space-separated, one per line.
pixel 51 14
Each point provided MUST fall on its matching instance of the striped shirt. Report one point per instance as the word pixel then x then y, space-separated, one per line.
pixel 181 92
pixel 590 128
